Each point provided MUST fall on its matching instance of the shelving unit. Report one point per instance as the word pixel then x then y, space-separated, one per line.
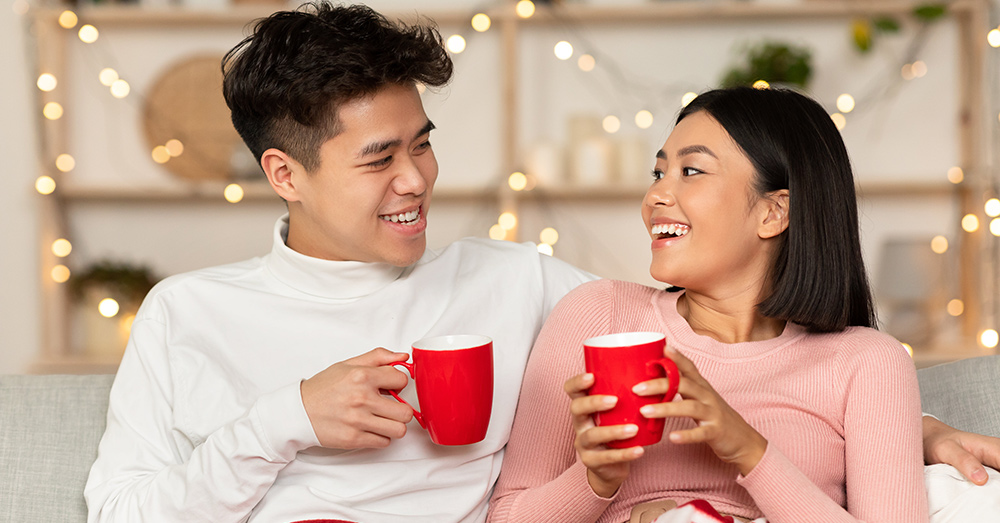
pixel 58 354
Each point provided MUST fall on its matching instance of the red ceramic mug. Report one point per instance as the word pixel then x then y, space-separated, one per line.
pixel 454 380
pixel 620 362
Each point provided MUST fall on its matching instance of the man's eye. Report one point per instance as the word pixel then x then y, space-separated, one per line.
pixel 381 163
pixel 425 145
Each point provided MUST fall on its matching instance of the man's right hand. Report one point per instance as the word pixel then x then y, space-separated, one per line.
pixel 345 407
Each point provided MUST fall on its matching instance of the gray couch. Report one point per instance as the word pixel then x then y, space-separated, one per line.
pixel 50 427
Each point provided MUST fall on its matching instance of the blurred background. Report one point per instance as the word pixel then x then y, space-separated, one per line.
pixel 121 166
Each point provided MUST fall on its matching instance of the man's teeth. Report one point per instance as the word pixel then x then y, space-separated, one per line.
pixel 671 229
pixel 405 217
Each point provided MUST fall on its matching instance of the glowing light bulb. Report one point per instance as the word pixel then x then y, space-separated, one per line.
pixel 939 244
pixel 761 84
pixel 908 347
pixel 456 43
pixel 46 82
pixel 586 63
pixel 546 249
pixel 525 8
pixel 88 34
pixel 45 185
pixel 549 236
pixel 956 175
pixel 52 111
pixel 68 19
pixel 845 103
pixel 611 124
pixel 174 147
pixel 970 223
pixel 108 307
pixel 107 76
pixel 993 37
pixel 517 181
pixel 481 22
pixel 563 50
pixel 508 221
pixel 233 193
pixel 688 98
pixel 160 154
pixel 956 307
pixel 120 88
pixel 65 163
pixel 992 207
pixel 644 119
pixel 919 69
pixel 989 338
pixel 907 72
pixel 995 226
pixel 839 120
pixel 62 247
pixel 60 274
pixel 497 232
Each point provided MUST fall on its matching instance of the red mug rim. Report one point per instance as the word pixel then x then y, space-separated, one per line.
pixel 452 342
pixel 624 339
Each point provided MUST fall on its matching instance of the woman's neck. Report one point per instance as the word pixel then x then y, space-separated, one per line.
pixel 732 319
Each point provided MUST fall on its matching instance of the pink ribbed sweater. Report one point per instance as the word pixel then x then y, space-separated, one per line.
pixel 841 413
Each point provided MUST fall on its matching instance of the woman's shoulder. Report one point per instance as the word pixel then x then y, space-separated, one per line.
pixel 864 346
pixel 606 292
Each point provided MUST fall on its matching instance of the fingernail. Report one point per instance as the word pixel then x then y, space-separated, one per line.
pixel 639 389
pixel 648 410
pixel 610 401
pixel 979 476
pixel 675 436
pixel 630 429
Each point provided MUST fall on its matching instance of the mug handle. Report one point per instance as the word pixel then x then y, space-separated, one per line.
pixel 416 413
pixel 670 371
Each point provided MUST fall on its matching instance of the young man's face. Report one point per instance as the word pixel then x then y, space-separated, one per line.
pixel 369 197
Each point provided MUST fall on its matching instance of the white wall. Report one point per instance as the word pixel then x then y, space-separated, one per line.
pixel 909 136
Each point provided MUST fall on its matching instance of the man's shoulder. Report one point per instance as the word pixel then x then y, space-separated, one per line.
pixel 206 277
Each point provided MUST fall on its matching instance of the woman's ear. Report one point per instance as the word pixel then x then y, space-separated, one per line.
pixel 282 173
pixel 775 219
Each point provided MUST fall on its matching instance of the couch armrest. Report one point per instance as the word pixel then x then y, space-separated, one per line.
pixel 964 394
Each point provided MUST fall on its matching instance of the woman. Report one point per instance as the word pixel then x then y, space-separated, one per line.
pixel 792 406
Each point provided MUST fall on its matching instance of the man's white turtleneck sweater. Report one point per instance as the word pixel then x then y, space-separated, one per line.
pixel 206 421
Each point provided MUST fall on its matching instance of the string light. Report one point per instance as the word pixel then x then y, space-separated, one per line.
pixel 68 19
pixel 525 8
pixel 120 88
pixel 517 181
pixel 995 226
pixel 20 7
pixel 845 103
pixel 456 44
pixel 62 247
pixel 52 111
pixel 549 236
pixel 993 37
pixel 839 120
pixel 688 98
pixel 956 307
pixel 233 193
pixel 956 175
pixel 970 223
pixel 45 185
pixel 546 249
pixel 174 147
pixel 563 50
pixel 907 72
pixel 60 273
pixel 939 244
pixel 611 124
pixel 508 221
pixel 919 69
pixel 992 207
pixel 586 63
pixel 908 347
pixel 497 232
pixel 481 22
pixel 160 154
pixel 46 82
pixel 989 338
pixel 107 76
pixel 88 34
pixel 644 119
pixel 65 163
pixel 108 307
pixel 761 84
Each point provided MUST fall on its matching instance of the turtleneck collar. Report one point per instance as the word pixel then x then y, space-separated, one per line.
pixel 665 303
pixel 326 278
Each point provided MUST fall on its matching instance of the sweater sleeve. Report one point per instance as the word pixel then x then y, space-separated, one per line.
pixel 146 470
pixel 883 450
pixel 542 478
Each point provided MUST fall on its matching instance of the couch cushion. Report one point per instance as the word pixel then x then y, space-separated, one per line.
pixel 964 394
pixel 49 430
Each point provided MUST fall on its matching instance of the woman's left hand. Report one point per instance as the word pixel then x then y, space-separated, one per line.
pixel 731 438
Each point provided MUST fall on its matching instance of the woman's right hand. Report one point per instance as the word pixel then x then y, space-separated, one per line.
pixel 606 468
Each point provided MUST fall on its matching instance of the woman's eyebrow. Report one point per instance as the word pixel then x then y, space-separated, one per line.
pixel 692 149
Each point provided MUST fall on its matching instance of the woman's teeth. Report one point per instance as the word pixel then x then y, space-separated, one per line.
pixel 404 218
pixel 675 230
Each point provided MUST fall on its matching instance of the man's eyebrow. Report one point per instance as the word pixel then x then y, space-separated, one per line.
pixel 378 147
pixel 692 149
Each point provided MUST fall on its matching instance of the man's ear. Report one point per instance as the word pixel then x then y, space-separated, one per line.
pixel 775 214
pixel 282 172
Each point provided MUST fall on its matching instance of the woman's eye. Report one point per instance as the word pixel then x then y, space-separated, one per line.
pixel 689 171
pixel 657 174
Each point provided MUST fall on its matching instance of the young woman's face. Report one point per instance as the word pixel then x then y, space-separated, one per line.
pixel 702 212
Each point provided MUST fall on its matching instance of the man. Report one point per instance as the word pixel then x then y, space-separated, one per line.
pixel 211 417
